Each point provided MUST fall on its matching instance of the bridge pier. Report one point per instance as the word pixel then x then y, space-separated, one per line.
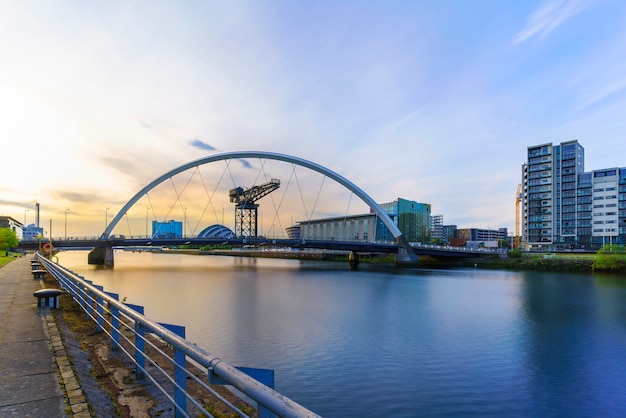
pixel 353 260
pixel 403 258
pixel 101 256
pixel 405 254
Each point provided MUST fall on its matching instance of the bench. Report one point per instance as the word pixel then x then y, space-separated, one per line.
pixel 48 297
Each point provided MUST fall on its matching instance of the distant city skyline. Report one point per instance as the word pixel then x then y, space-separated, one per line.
pixel 432 102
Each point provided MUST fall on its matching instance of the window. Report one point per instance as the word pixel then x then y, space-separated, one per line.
pixel 607 173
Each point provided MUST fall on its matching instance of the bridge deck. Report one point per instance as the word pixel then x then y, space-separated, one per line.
pixel 435 251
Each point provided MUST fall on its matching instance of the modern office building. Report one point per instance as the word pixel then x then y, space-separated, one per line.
pixel 479 234
pixel 169 229
pixel 32 233
pixel 449 232
pixel 343 228
pixel 564 207
pixel 13 224
pixel 436 228
pixel 412 219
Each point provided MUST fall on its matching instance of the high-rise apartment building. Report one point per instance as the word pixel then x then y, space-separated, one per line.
pixel 565 207
pixel 436 228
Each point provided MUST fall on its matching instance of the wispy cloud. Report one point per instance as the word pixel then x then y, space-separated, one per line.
pixel 145 124
pixel 548 17
pixel 201 145
pixel 600 93
pixel 245 163
pixel 77 197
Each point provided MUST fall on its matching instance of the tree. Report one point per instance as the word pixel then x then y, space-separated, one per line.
pixel 8 239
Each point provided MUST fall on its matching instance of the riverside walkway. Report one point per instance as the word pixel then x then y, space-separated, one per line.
pixel 36 378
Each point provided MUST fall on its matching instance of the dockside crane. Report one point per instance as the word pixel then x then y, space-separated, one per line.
pixel 246 208
pixel 518 199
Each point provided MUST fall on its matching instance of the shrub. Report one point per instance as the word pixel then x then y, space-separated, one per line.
pixel 515 253
pixel 610 258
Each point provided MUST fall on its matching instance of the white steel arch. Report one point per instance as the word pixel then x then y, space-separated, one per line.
pixel 270 156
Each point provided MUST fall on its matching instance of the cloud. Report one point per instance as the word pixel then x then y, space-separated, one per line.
pixel 145 124
pixel 15 203
pixel 201 145
pixel 83 197
pixel 548 17
pixel 245 163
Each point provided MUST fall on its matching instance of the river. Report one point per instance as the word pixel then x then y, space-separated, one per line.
pixel 389 342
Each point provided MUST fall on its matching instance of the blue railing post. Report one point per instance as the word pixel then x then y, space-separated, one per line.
pixel 140 343
pixel 115 322
pixel 81 294
pixel 180 377
pixel 100 308
pixel 265 376
pixel 87 296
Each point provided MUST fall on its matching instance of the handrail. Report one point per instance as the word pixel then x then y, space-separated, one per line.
pixel 262 394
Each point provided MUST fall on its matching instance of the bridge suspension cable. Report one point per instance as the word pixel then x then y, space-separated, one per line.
pixel 263 157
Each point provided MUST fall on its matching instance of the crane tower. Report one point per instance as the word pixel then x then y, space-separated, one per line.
pixel 518 199
pixel 246 208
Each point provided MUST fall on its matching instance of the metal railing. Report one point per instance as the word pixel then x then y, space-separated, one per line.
pixel 128 329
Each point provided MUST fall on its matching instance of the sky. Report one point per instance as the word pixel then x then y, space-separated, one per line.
pixel 434 102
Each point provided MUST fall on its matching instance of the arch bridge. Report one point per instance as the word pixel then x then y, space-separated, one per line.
pixel 103 254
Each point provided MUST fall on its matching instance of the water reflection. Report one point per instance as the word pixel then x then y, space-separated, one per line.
pixel 387 341
pixel 570 356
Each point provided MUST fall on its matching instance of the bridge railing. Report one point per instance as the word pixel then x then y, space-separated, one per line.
pixel 129 331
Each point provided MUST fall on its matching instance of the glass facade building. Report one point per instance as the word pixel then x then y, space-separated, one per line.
pixel 564 207
pixel 412 219
pixel 169 229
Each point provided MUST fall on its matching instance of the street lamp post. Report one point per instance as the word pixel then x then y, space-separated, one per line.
pixel 184 221
pixel 147 209
pixel 66 210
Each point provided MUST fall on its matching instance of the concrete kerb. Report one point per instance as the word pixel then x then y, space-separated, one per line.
pixel 68 380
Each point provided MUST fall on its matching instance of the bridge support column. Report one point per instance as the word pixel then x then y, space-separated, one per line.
pixel 403 258
pixel 101 256
pixel 405 255
pixel 353 260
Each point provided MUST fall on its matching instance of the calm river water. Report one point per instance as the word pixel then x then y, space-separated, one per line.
pixel 385 342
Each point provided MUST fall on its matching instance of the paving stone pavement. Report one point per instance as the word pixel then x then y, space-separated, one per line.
pixel 36 377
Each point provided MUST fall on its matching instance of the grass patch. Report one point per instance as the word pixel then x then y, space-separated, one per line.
pixel 8 256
